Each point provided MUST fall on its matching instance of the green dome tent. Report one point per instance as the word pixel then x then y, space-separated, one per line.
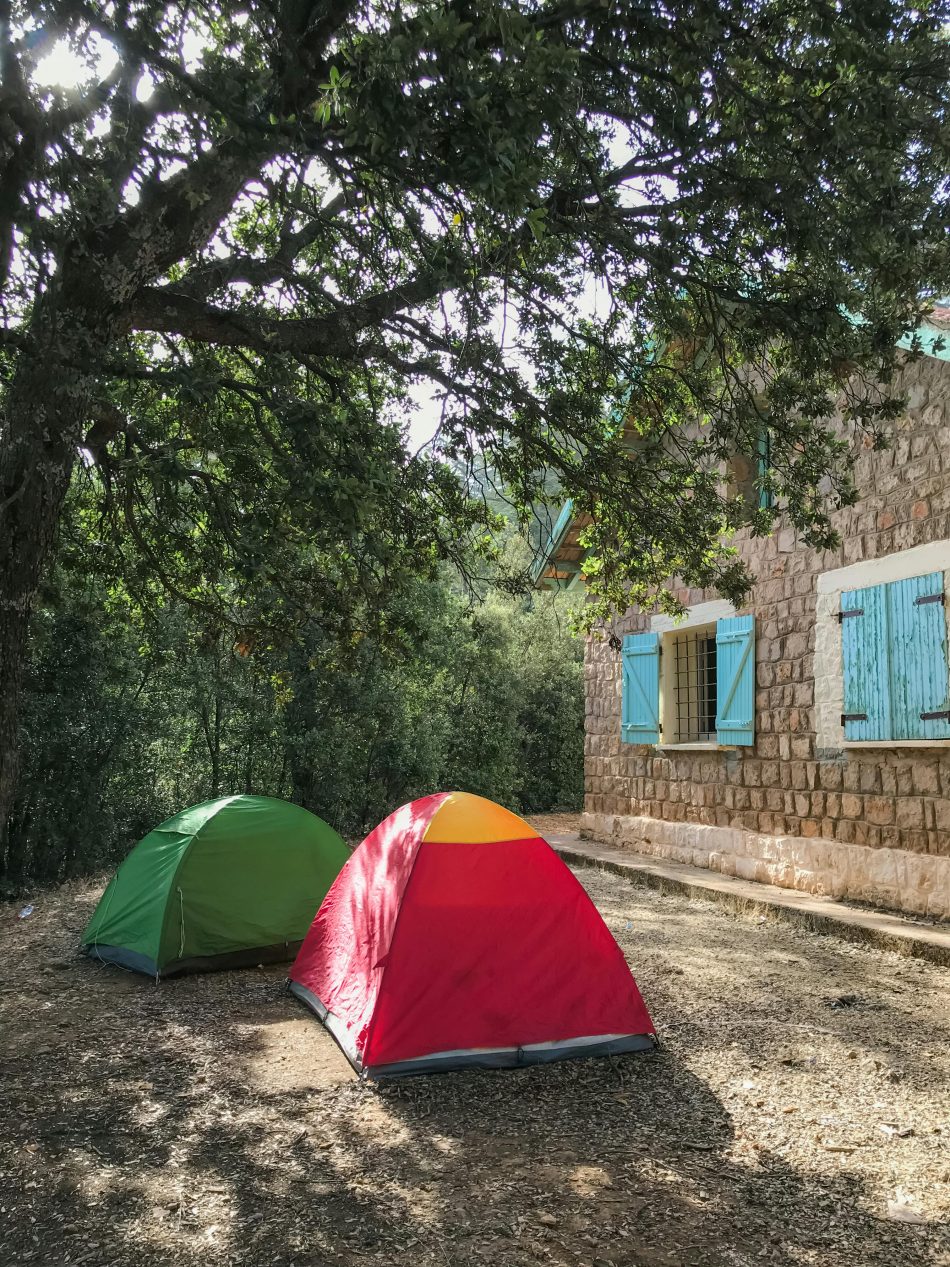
pixel 225 884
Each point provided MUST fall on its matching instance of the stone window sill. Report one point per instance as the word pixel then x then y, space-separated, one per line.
pixel 896 743
pixel 696 747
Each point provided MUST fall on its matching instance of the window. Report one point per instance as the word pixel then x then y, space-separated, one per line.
pixel 766 497
pixel 894 658
pixel 692 688
pixel 746 474
pixel 695 686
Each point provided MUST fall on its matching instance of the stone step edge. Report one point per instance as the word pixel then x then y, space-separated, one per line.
pixel 880 929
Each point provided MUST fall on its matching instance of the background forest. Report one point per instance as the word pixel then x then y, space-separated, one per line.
pixel 138 704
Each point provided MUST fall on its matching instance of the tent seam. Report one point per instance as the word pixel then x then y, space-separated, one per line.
pixel 173 886
pixel 371 1028
pixel 593 905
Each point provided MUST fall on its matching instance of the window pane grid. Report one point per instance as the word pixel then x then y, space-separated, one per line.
pixel 695 686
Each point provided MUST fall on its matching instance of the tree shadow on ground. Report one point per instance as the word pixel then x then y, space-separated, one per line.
pixel 175 1157
pixel 211 1121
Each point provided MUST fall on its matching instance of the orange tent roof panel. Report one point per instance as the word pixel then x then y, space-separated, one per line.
pixel 465 819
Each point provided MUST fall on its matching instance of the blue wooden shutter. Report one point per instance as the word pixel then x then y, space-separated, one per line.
pixel 919 678
pixel 864 651
pixel 640 700
pixel 735 677
pixel 894 650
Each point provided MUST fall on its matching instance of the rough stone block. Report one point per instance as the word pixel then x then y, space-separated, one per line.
pixel 870 778
pixel 913 841
pixel 905 779
pixel 830 775
pixel 799 775
pixel 851 777
pixel 879 810
pixel 941 811
pixel 851 806
pixel 909 812
pixel 769 773
pixel 926 778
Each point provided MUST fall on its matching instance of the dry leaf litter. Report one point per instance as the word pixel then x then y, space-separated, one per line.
pixel 797 1113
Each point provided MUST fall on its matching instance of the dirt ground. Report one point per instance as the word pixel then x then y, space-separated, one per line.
pixel 798 1112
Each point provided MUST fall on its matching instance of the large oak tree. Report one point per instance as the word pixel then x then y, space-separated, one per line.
pixel 237 234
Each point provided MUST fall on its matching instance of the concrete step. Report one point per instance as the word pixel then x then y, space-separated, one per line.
pixel 886 931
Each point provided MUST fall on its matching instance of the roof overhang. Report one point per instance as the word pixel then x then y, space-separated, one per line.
pixel 558 565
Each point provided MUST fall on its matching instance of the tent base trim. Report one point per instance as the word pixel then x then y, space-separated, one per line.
pixel 332 1024
pixel 515 1057
pixel 248 957
pixel 473 1058
pixel 134 960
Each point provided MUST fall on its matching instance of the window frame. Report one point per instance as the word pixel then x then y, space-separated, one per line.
pixel 708 613
pixel 668 687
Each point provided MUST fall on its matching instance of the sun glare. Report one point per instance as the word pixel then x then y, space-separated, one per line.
pixel 61 68
pixel 64 68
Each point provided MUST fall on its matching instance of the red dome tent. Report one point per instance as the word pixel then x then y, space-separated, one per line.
pixel 455 936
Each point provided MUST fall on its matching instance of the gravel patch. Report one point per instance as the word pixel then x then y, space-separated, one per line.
pixel 798 1112
pixel 555 824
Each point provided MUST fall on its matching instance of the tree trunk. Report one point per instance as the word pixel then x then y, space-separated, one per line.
pixel 40 433
pixel 211 724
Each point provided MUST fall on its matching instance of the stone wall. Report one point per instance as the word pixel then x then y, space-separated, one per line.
pixel 870 823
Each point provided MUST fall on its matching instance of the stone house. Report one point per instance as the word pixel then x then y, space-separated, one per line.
pixel 804 739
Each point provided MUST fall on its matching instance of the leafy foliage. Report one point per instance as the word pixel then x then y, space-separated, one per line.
pixel 130 718
pixel 234 248
pixel 491 703
pixel 92 710
pixel 303 208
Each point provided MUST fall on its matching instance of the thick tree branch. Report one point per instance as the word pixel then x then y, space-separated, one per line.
pixel 166 312
pixel 171 312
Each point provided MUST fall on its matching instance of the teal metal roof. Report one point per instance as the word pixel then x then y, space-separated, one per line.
pixel 935 330
pixel 555 539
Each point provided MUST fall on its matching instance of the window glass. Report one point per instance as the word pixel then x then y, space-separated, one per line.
pixel 694 685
